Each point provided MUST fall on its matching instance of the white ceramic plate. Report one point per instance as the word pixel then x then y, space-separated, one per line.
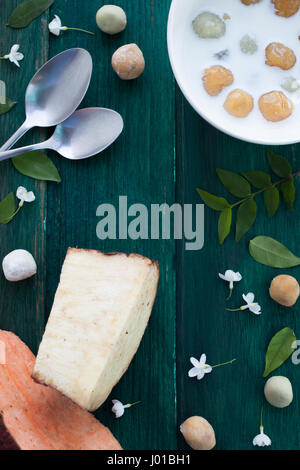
pixel 254 128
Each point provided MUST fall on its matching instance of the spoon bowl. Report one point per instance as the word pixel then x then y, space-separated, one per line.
pixel 85 133
pixel 55 91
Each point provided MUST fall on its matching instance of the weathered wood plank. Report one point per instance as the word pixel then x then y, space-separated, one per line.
pixel 231 397
pixel 22 305
pixel 140 165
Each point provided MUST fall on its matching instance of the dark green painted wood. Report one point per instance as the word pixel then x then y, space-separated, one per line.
pixel 22 305
pixel 231 397
pixel 141 165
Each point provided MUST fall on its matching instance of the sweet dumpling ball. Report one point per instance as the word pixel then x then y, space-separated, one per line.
pixel 216 78
pixel 275 106
pixel 278 55
pixel 239 103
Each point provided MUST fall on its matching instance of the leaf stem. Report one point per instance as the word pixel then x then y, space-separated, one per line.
pixel 79 29
pixel 261 417
pixel 230 293
pixel 132 404
pixel 223 363
pixel 273 185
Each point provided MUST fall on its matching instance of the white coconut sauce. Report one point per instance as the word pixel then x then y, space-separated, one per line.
pixel 250 72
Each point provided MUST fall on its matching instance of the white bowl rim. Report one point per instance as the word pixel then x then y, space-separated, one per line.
pixel 192 102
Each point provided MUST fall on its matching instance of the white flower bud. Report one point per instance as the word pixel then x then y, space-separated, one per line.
pixel 19 265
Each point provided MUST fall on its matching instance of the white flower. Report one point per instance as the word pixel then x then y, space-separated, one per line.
pixel 14 56
pixel 254 307
pixel 24 195
pixel 200 367
pixel 262 439
pixel 231 277
pixel 55 26
pixel 119 409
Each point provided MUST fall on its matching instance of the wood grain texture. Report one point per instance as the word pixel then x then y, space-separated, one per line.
pixel 22 305
pixel 140 165
pixel 164 153
pixel 231 397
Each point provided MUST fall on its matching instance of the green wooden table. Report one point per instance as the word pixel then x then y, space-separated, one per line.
pixel 165 152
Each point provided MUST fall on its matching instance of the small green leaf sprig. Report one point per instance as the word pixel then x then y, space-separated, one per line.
pixel 8 209
pixel 239 185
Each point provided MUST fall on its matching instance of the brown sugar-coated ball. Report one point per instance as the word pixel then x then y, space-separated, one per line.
pixel 275 106
pixel 216 78
pixel 286 8
pixel 285 290
pixel 239 103
pixel 250 2
pixel 128 62
pixel 278 55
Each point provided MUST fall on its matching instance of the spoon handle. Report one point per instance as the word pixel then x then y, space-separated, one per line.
pixel 15 137
pixel 29 148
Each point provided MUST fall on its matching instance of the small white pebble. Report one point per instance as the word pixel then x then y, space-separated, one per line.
pixel 19 265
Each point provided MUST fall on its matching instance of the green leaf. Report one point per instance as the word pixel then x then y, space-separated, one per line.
pixel 7 208
pixel 270 252
pixel 271 197
pixel 5 108
pixel 245 218
pixel 279 165
pixel 236 184
pixel 224 224
pixel 28 11
pixel 37 165
pixel 279 350
pixel 258 179
pixel 289 191
pixel 214 202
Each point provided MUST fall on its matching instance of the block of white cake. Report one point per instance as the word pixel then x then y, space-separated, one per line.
pixel 101 309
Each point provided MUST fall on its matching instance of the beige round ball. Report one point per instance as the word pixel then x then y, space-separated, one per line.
pixel 128 62
pixel 111 19
pixel 285 290
pixel 279 391
pixel 198 433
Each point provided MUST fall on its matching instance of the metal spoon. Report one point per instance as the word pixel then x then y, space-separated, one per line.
pixel 84 134
pixel 55 91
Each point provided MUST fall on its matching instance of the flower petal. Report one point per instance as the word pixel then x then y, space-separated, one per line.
pixel 255 308
pixel 30 197
pixel 194 372
pixel 15 48
pixel 19 56
pixel 14 61
pixel 195 362
pixel 238 277
pixel 230 275
pixel 21 193
pixel 207 369
pixel 202 360
pixel 200 374
pixel 222 277
pixel 249 298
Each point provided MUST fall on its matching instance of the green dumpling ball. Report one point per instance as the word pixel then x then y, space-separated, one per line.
pixel 111 19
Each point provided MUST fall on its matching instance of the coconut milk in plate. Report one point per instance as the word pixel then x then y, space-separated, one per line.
pixel 250 72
